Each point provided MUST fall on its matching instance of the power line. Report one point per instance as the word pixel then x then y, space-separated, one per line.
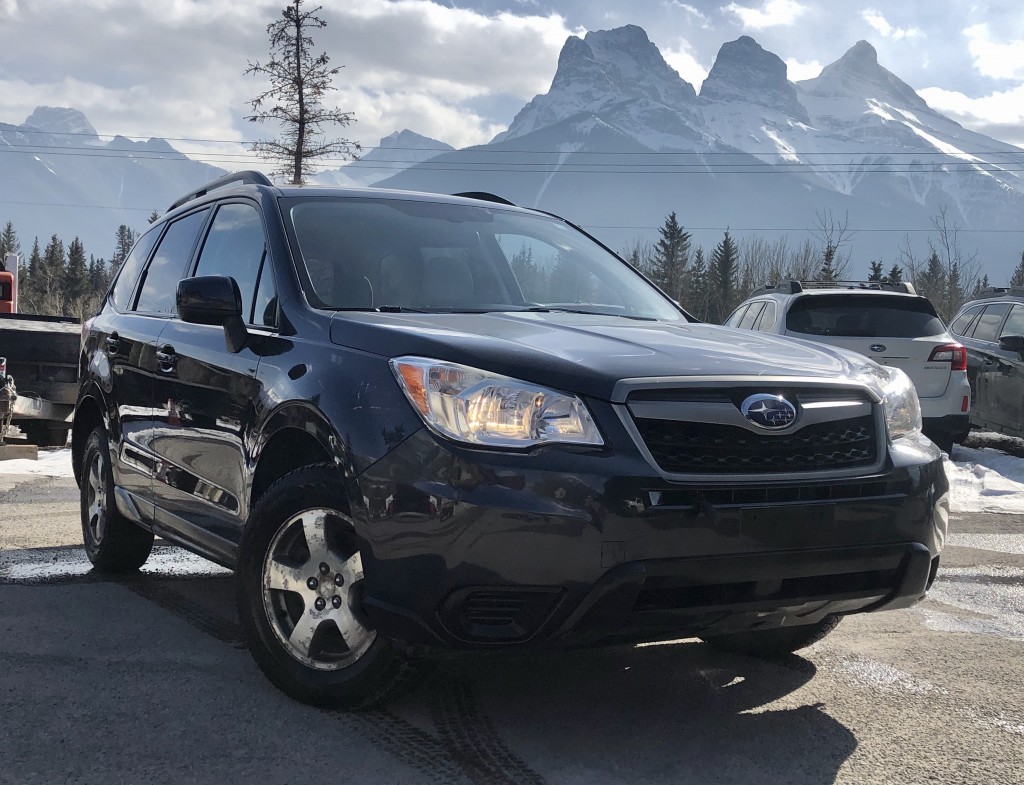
pixel 481 149
pixel 949 167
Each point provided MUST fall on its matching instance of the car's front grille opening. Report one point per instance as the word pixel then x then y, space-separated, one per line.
pixel 661 594
pixel 680 447
pixel 696 499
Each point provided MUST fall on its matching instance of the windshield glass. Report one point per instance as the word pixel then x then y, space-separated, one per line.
pixel 388 254
pixel 864 316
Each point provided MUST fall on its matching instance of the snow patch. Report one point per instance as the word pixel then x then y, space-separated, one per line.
pixel 886 678
pixel 985 480
pixel 51 463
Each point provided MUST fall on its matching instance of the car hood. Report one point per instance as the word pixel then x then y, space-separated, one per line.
pixel 588 354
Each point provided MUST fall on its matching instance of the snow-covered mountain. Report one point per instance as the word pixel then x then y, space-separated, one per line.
pixel 394 152
pixel 620 139
pixel 56 175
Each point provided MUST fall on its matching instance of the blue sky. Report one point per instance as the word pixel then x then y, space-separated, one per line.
pixel 458 71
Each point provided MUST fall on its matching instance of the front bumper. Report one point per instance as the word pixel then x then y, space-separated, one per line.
pixel 562 548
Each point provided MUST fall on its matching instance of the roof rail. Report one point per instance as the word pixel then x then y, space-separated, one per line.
pixel 1000 291
pixel 249 176
pixel 485 197
pixel 795 287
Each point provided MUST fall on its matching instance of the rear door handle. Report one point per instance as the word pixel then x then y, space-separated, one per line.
pixel 167 360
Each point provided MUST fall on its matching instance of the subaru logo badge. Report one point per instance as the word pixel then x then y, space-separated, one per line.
pixel 771 412
pixel 877 347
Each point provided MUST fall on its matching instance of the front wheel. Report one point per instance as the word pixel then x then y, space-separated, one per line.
pixel 299 590
pixel 776 642
pixel 112 542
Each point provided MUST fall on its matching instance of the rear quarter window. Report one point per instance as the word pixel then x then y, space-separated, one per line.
pixel 864 316
pixel 128 276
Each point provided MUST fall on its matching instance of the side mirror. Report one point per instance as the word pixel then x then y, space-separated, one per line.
pixel 214 299
pixel 1012 343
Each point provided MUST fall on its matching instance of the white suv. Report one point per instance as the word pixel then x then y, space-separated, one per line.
pixel 890 323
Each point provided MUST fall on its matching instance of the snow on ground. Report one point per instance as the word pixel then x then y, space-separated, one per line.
pixel 982 479
pixel 51 463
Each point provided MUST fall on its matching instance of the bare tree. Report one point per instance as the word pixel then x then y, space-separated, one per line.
pixel 299 79
pixel 832 234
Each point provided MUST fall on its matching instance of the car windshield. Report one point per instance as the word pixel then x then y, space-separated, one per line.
pixel 864 316
pixel 391 255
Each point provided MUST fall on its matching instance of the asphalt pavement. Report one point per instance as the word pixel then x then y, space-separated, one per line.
pixel 145 680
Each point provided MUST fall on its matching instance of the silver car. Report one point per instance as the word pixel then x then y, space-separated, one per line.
pixel 889 323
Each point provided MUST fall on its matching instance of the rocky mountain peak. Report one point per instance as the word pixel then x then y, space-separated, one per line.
pixel 858 74
pixel 746 72
pixel 605 68
pixel 61 120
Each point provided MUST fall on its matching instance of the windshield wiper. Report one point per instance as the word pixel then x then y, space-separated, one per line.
pixel 563 309
pixel 382 309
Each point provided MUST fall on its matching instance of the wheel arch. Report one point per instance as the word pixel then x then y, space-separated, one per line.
pixel 294 437
pixel 89 413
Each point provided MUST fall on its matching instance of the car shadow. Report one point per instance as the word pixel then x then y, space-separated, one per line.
pixel 676 713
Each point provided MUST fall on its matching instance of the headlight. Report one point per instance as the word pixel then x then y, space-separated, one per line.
pixel 485 409
pixel 902 408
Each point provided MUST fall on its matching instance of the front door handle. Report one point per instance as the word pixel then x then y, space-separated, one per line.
pixel 167 360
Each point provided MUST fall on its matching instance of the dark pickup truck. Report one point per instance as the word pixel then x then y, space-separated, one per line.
pixel 41 354
pixel 415 423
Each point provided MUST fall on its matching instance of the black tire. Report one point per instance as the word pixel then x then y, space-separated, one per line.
pixel 112 542
pixel 353 672
pixel 773 643
pixel 43 434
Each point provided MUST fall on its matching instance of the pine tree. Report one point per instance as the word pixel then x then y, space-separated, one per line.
pixel 671 257
pixel 528 274
pixel 1017 279
pixel 8 241
pixel 955 294
pixel 877 273
pixel 722 285
pixel 124 239
pixel 979 287
pixel 931 282
pixel 154 216
pixel 895 274
pixel 697 296
pixel 75 282
pixel 299 80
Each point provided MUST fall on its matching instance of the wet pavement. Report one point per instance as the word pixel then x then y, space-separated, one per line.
pixel 144 679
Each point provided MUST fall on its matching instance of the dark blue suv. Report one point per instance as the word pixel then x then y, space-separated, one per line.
pixel 414 423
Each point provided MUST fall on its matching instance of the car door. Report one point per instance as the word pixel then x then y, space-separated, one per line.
pixel 1010 380
pixel 121 352
pixel 210 394
pixel 993 365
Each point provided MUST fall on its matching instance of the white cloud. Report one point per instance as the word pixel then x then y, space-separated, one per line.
pixel 999 114
pixel 407 64
pixel 692 12
pixel 771 13
pixel 798 71
pixel 881 26
pixel 992 58
pixel 684 61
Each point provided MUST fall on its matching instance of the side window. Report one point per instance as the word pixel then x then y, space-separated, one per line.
pixel 121 294
pixel 235 246
pixel 735 316
pixel 959 326
pixel 987 326
pixel 768 317
pixel 169 263
pixel 1014 322
pixel 747 322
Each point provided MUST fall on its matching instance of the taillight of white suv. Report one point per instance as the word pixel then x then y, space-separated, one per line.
pixel 953 353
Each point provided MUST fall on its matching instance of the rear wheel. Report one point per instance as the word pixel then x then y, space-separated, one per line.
pixel 300 588
pixel 112 542
pixel 776 642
